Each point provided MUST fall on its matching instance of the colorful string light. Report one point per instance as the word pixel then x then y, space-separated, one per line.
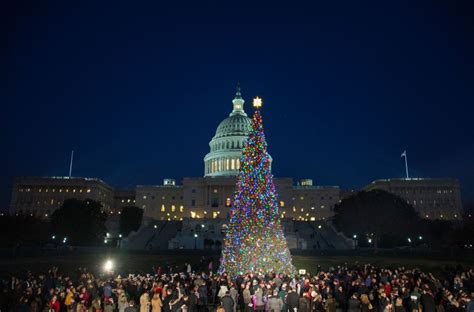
pixel 254 239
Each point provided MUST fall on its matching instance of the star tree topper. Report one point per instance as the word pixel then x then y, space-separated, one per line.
pixel 257 102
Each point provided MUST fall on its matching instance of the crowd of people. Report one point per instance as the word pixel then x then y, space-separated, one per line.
pixel 342 289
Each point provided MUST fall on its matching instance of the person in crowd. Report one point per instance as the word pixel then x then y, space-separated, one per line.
pixel 144 302
pixel 275 304
pixel 227 302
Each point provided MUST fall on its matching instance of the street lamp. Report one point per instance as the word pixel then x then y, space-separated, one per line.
pixel 195 241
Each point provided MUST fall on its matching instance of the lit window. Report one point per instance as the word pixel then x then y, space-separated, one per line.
pixel 227 164
pixel 193 214
pixel 173 208
pixel 52 202
pixel 163 209
pixel 282 203
pixel 215 190
pixel 67 190
pixel 322 206
pixel 237 164
pixel 39 190
pixel 128 200
pixel 232 164
pixel 227 202
pixel 47 190
pixel 88 190
pixel 181 208
pixel 60 190
pixel 312 208
pixel 123 200
pixel 302 197
pixel 312 219
pixel 214 214
pixel 294 209
pixel 74 190
pixel 144 196
pixel 163 197
pixel 302 209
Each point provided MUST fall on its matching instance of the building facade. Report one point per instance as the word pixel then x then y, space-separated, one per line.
pixel 431 198
pixel 40 196
pixel 211 195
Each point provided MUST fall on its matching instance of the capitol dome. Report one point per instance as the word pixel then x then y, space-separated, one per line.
pixel 226 145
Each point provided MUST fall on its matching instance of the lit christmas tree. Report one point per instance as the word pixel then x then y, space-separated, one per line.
pixel 254 239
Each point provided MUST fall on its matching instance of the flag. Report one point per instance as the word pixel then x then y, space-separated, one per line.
pixel 404 154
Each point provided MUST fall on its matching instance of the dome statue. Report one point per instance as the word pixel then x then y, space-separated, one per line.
pixel 226 146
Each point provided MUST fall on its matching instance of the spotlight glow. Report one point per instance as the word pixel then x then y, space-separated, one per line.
pixel 108 265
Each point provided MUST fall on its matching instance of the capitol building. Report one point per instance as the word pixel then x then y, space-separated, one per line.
pixel 210 196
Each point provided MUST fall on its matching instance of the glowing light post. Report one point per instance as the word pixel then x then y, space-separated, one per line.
pixel 195 241
pixel 108 266
pixel 404 154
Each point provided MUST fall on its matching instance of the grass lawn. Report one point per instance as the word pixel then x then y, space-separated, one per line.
pixel 142 263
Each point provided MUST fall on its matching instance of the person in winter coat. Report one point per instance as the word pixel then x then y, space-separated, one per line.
pixel 365 305
pixel 156 303
pixel 330 304
pixel 292 300
pixel 259 304
pixel 144 302
pixel 275 304
pixel 54 304
pixel 222 291
pixel 227 303
pixel 234 294
pixel 304 304
pixel 122 301
pixel 399 305
pixel 354 303
pixel 247 298
pixel 109 305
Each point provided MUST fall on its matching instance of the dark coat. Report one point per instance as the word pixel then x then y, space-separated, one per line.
pixel 427 302
pixel 228 303
pixel 304 304
pixel 292 301
pixel 353 305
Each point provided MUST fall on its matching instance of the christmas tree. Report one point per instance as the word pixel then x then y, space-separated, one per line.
pixel 254 239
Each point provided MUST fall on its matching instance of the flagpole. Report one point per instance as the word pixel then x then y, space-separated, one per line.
pixel 70 165
pixel 406 165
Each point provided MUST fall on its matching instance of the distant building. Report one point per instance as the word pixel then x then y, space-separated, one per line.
pixel 431 198
pixel 42 195
pixel 211 195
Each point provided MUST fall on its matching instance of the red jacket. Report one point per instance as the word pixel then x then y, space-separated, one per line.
pixel 54 305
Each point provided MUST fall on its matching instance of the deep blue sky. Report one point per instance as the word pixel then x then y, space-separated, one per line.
pixel 137 89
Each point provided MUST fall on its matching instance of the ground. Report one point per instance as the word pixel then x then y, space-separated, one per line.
pixel 143 263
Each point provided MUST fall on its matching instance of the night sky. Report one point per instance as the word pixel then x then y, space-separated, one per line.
pixel 137 89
